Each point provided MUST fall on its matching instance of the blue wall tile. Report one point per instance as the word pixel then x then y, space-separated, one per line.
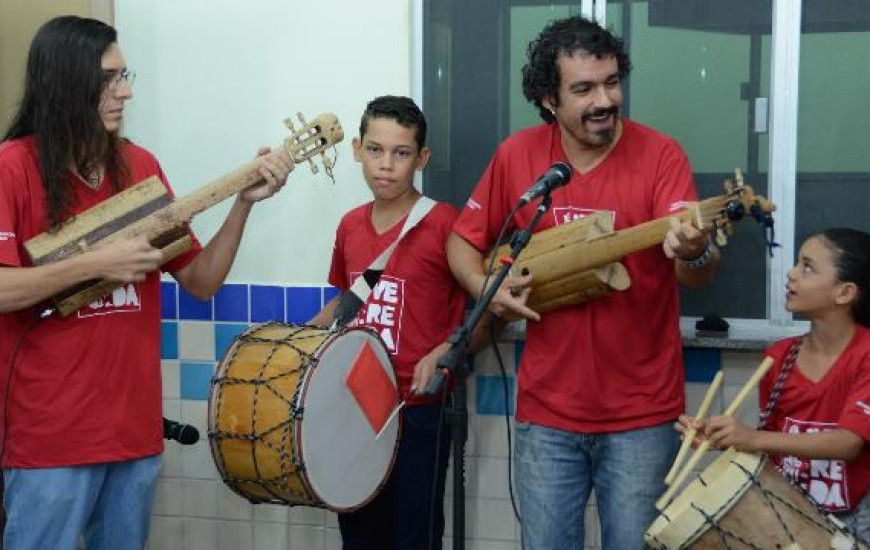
pixel 330 292
pixel 701 364
pixel 490 394
pixel 196 380
pixel 192 308
pixel 224 334
pixel 267 303
pixel 303 303
pixel 168 340
pixel 168 306
pixel 231 303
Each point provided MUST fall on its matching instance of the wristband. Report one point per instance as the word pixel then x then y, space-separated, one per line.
pixel 700 260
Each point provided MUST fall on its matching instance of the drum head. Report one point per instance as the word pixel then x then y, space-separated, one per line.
pixel 345 460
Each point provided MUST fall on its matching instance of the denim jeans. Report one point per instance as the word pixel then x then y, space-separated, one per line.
pixel 556 470
pixel 399 518
pixel 858 520
pixel 109 504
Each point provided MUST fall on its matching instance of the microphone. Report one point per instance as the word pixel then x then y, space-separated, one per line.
pixel 182 433
pixel 558 175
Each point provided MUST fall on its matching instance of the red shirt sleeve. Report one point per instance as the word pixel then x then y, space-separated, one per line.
pixel 338 267
pixel 484 213
pixel 856 408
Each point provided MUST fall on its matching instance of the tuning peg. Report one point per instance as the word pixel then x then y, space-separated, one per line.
pixel 738 177
pixel 721 237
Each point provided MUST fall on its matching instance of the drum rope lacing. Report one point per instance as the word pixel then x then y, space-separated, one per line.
pixel 286 427
pixel 769 497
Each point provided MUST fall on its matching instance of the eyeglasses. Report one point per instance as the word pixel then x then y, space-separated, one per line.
pixel 114 78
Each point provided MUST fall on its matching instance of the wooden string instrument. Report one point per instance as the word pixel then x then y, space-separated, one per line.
pixel 147 209
pixel 578 261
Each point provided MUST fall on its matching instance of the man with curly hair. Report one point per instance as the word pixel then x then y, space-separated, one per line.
pixel 595 402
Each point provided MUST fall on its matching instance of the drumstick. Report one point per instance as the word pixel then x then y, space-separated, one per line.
pixel 689 435
pixel 390 418
pixel 702 448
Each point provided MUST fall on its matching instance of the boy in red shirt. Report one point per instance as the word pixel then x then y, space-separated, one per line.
pixel 414 306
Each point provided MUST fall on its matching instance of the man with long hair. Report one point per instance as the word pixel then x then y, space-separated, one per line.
pixel 82 396
pixel 595 402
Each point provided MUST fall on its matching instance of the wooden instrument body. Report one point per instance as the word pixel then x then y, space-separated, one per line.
pixel 579 261
pixel 147 209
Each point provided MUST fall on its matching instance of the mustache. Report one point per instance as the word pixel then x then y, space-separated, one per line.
pixel 600 112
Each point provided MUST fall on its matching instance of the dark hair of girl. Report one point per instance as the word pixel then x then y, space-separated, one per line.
pixel 852 260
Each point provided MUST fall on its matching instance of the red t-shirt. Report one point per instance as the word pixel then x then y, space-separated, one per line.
pixel 841 399
pixel 86 388
pixel 416 303
pixel 613 363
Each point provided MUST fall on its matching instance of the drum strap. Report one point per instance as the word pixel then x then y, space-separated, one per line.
pixel 787 365
pixel 350 302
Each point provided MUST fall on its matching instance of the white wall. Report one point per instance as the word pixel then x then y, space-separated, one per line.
pixel 217 78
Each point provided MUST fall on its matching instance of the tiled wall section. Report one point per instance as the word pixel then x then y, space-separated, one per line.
pixel 195 511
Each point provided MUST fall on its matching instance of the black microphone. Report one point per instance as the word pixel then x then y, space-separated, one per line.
pixel 558 175
pixel 183 433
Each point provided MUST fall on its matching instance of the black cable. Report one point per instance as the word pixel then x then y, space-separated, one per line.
pixel 507 418
pixel 11 366
pixel 433 497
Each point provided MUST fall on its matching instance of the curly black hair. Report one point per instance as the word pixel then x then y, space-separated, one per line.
pixel 566 36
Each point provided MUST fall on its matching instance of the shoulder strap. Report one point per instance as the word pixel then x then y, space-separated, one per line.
pixel 788 364
pixel 360 290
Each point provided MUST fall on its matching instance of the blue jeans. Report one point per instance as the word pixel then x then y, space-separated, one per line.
pixel 109 504
pixel 556 470
pixel 399 518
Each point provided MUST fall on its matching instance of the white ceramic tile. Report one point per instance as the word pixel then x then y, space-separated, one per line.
pixel 331 520
pixel 487 477
pixel 490 436
pixel 169 498
pixel 197 462
pixel 486 362
pixel 201 534
pixel 232 506
pixel 200 498
pixel 166 534
pixel 333 539
pixel 172 408
pixel 490 519
pixel 490 545
pixel 196 341
pixel 235 535
pixel 271 536
pixel 305 515
pixel 306 537
pixel 171 460
pixel 195 413
pixel 272 513
pixel 170 371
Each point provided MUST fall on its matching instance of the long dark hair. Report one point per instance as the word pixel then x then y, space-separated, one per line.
pixel 62 89
pixel 566 36
pixel 852 260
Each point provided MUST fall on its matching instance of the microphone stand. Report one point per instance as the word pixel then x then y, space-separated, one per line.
pixel 453 362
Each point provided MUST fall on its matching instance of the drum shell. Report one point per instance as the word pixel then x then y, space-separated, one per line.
pixel 744 495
